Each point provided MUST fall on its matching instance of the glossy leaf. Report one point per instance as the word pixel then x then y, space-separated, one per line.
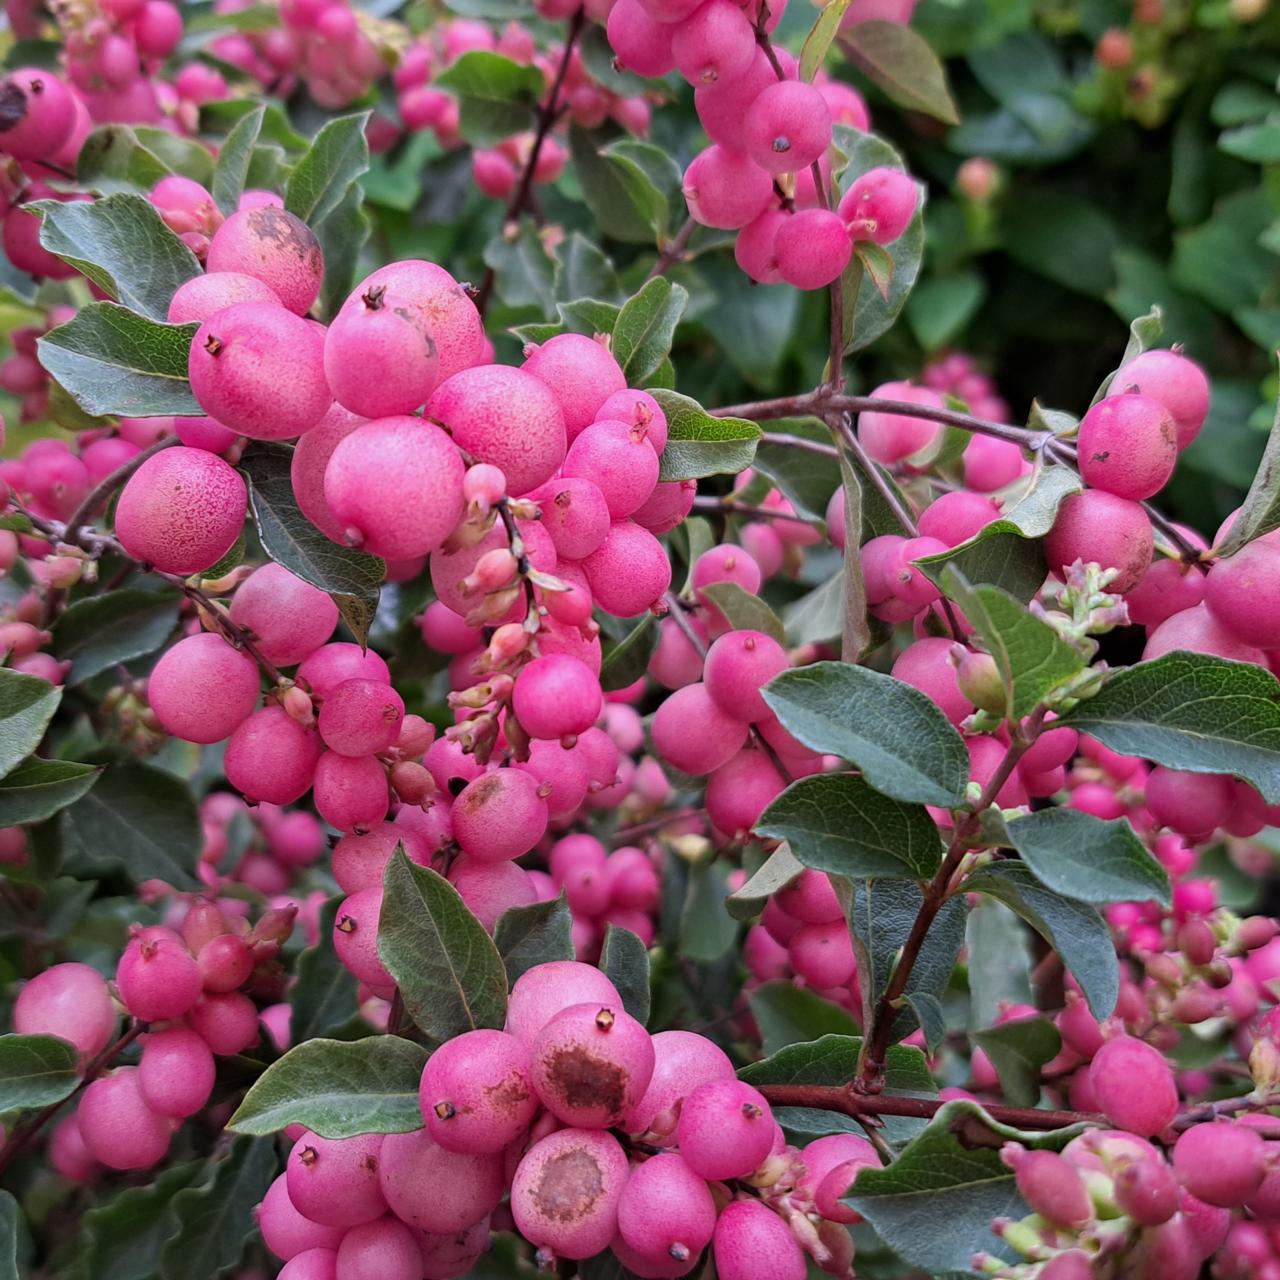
pixel 35 1071
pixel 645 327
pixel 27 704
pixel 37 789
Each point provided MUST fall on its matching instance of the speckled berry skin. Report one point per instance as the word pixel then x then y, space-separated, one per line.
pixel 275 247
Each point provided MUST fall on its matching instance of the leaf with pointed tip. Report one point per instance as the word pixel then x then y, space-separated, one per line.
pixel 98 632
pixel 209 1224
pixel 1094 860
pixel 337 156
pixel 997 942
pixel 840 824
pixel 817 43
pixel 496 96
pixel 898 60
pixel 904 746
pixel 777 871
pixel 1144 333
pixel 833 1059
pixel 930 1015
pixel 625 662
pixel 698 444
pixel 1033 660
pixel 35 1071
pixel 707 930
pixel 27 704
pixel 1018 1049
pixel 352 577
pixel 122 244
pixel 450 974
pixel 114 158
pixel 652 178
pixel 1194 712
pixel 625 962
pixel 234 155
pixel 534 935
pixel 113 361
pixel 645 327
pixel 1072 928
pixel 37 789
pixel 1260 512
pixel 817 616
pixel 338 1088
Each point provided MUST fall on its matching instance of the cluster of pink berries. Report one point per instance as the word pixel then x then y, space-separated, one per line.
pixel 958 375
pixel 193 987
pixel 603 1136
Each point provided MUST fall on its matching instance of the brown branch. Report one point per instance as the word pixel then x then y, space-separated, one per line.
pixel 548 114
pixel 676 610
pixel 799 442
pixel 25 1133
pixel 673 252
pixel 728 507
pixel 871 1075
pixel 840 424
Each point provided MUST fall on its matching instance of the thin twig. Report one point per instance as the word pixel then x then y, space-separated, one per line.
pixel 673 252
pixel 840 424
pixel 676 610
pixel 728 507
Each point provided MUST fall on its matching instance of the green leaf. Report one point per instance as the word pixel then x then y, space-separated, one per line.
pixel 623 207
pixel 210 1223
pixel 15 1242
pixel 787 1014
pixel 35 1071
pixel 645 327
pixel 342 234
pixel 122 244
pixel 583 271
pixel 584 315
pixel 1087 858
pixel 777 871
pixel 625 962
pixel 338 1088
pixel 744 611
pixel 234 155
pixel 142 819
pixel 899 60
pixel 1073 929
pixel 1194 712
pixel 897 737
pixel 1007 552
pixel 817 43
pixel 37 789
pixel 855 622
pixel 1033 660
pixel 125 1236
pixel 114 159
pixel 100 631
pixel 1260 512
pixel 999 961
pixel 533 935
pixel 934 1204
pixel 625 662
pixel 931 1017
pixel 700 445
pixel 112 360
pixel 338 155
pixel 1018 1050
pixel 27 704
pixel 525 273
pixel 818 616
pixel 325 997
pixel 805 477
pixel 450 974
pixel 840 824
pixel 652 180
pixel 941 307
pixel 833 1059
pixel 496 96
pixel 707 930
pixel 189 157
pixel 351 577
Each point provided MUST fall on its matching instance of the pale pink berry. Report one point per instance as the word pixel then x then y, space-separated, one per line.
pixel 1198 631
pixel 432 1189
pixel 227 1023
pixel 1134 1086
pixel 675 661
pixel 259 370
pixel 181 511
pixel 738 665
pixel 756 248
pixel 225 962
pixel 476 1092
pixel 176 1072
pixel 361 718
pixel 891 437
pixel 666 1211
pixel 313 1264
pixel 565 1193
pixel 1220 1163
pixel 1128 446
pixel 574 514
pixel 812 248
pixel 1097 527
pixel 726 1129
pixel 694 733
pixel 40 114
pixel 747 1231
pixel 331 664
pixel 350 792
pixel 119 1128
pixel 272 757
pixel 200 297
pixel 499 816
pixel 628 571
pixel 739 791
pixel 542 992
pixel 639 43
pixel 714 43
pixel 287 617
pixel 336 1181
pixel 395 485
pixel 581 373
pixel 1241 593
pixel 275 247
pixel 310 459
pixel 1172 380
pixel 70 1001
pixel 683 1061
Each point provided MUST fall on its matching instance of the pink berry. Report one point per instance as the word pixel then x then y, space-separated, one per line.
pixel 739 791
pixel 542 992
pixel 726 1129
pixel 812 248
pixel 1134 1086
pixel 666 1211
pixel 1242 593
pixel 384 1249
pixel 891 437
pixel 200 297
pixel 1128 446
pixel 176 1073
pixel 756 248
pixel 1097 527
pixel 311 458
pixel 432 1189
pixel 332 664
pixel 748 1231
pixel 629 571
pixel 1198 631
pixel 1220 1163
pixel 288 618
pixel 227 1023
pixel 350 792
pixel 1174 381
pixel 714 43
pixel 787 127
pixel 667 506
pixel 361 718
pixel 395 485
pixel 739 664
pixel 693 732
pixel 724 188
pixel 272 246
pixel 879 205
pixel 556 697
pixel 506 417
pixel 1193 804
pixel 682 1062
pixel 285 1231
pixel 619 459
pixel 181 511
pixel 70 1001
pixel 157 977
pixel 477 1094
pixel 1051 1185
pixel 336 1181
pixel 272 757
pixel 119 1129
pixel 581 373
pixel 639 42
pixel 313 1264
pixel 40 115
pixel 499 816
pixel 565 1193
